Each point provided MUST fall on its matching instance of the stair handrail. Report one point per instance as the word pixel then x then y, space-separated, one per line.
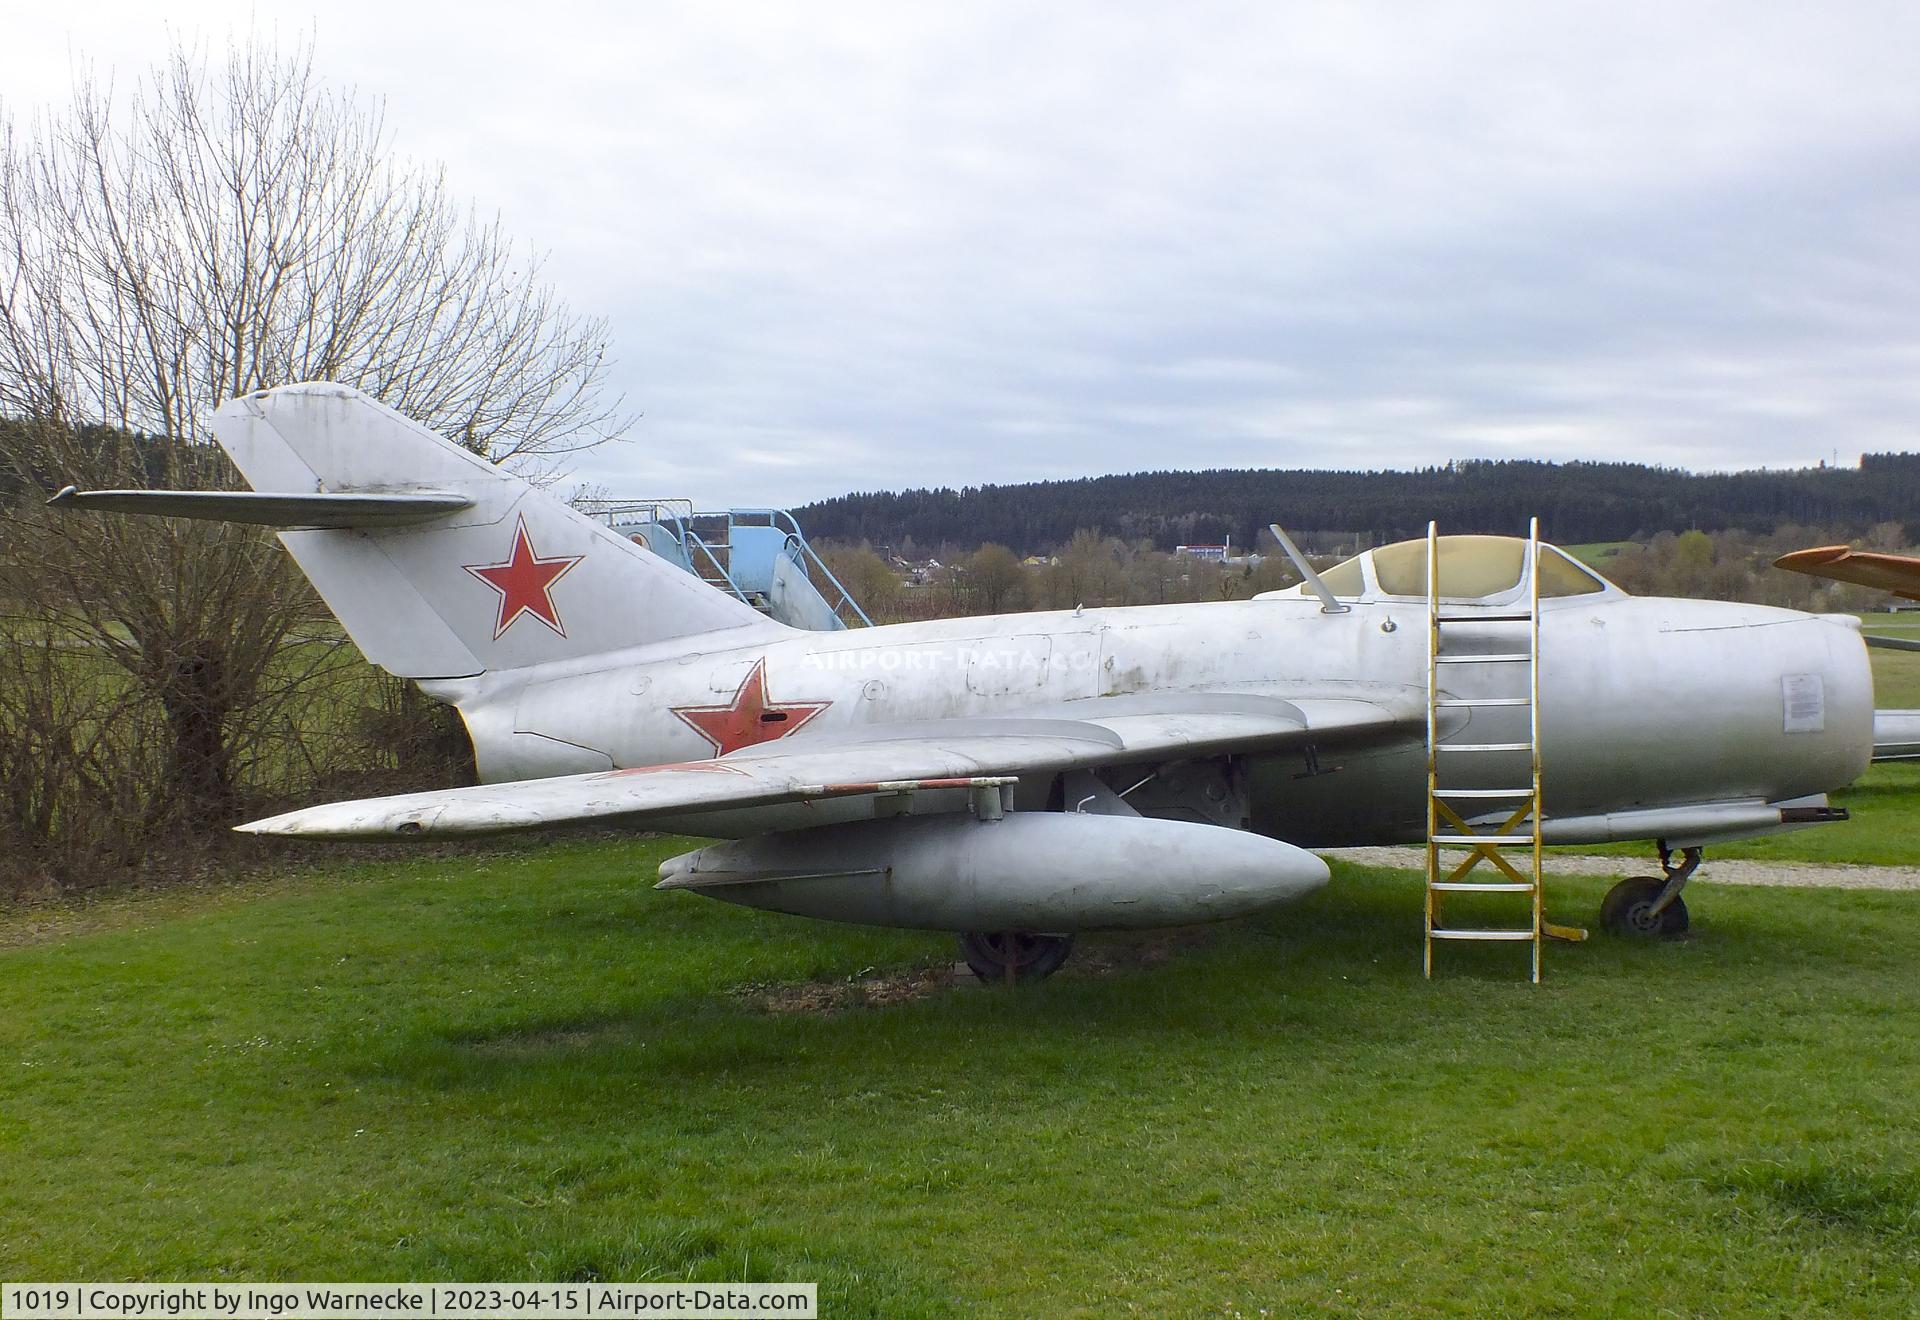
pixel 809 560
pixel 694 539
pixel 676 518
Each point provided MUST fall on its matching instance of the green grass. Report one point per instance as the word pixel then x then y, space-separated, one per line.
pixel 1595 554
pixel 529 1065
pixel 1896 674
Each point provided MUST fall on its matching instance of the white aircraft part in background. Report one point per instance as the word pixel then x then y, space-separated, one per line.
pixel 1029 774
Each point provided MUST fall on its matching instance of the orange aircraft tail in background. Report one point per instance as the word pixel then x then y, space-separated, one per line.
pixel 1899 574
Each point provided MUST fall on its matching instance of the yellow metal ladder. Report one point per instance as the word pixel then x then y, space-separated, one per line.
pixel 1471 821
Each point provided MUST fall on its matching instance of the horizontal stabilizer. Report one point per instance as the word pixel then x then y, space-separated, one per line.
pixel 271 509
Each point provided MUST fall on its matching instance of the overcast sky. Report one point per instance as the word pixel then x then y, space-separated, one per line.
pixel 859 247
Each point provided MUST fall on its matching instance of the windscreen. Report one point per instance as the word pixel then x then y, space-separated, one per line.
pixel 1561 576
pixel 1344 579
pixel 1470 566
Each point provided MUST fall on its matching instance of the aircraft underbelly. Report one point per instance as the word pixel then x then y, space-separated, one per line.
pixel 1373 794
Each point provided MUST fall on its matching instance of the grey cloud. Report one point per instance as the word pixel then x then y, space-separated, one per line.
pixel 868 246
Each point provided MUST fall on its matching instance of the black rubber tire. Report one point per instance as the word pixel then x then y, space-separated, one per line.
pixel 1033 956
pixel 1627 910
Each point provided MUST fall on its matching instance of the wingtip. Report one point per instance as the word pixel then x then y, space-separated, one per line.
pixel 1809 561
pixel 64 495
pixel 365 820
pixel 288 824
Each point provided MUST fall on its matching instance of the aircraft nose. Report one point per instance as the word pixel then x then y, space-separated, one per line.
pixel 1799 692
pixel 1690 700
pixel 1849 677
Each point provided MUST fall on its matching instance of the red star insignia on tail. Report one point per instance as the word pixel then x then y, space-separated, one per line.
pixel 525 582
pixel 750 717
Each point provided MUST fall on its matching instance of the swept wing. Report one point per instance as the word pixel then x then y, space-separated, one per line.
pixel 801 769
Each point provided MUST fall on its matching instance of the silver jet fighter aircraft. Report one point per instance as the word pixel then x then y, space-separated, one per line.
pixel 1020 777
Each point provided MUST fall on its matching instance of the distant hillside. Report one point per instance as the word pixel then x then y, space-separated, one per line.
pixel 1576 502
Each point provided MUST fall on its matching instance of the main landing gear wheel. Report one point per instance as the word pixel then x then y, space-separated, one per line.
pixel 1017 955
pixel 1628 909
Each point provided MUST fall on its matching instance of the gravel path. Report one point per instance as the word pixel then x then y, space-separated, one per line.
pixel 1721 871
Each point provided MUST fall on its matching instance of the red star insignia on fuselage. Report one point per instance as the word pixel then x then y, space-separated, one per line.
pixel 750 717
pixel 525 582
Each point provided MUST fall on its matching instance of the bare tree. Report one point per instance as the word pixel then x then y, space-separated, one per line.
pixel 227 226
pixel 223 230
pixel 867 577
pixel 995 575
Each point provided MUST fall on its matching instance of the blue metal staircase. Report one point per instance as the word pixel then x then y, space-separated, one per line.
pixel 758 555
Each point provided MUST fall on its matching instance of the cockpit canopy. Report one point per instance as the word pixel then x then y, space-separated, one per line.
pixel 1488 569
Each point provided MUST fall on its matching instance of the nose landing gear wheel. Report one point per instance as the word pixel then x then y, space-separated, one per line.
pixel 1628 910
pixel 996 955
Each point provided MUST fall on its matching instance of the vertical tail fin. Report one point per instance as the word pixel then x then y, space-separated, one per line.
pixel 515 578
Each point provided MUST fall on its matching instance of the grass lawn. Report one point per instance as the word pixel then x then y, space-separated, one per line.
pixel 1896 674
pixel 1595 554
pixel 528 1065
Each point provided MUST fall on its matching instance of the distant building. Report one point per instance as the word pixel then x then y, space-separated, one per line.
pixel 917 573
pixel 1216 554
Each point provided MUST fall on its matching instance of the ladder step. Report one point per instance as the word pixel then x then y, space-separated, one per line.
pixel 1491 658
pixel 1484 747
pixel 1495 840
pixel 1483 792
pixel 1481 887
pixel 1483 618
pixel 1515 935
pixel 1453 702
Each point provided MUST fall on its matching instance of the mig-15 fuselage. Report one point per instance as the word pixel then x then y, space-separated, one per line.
pixel 1019 777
